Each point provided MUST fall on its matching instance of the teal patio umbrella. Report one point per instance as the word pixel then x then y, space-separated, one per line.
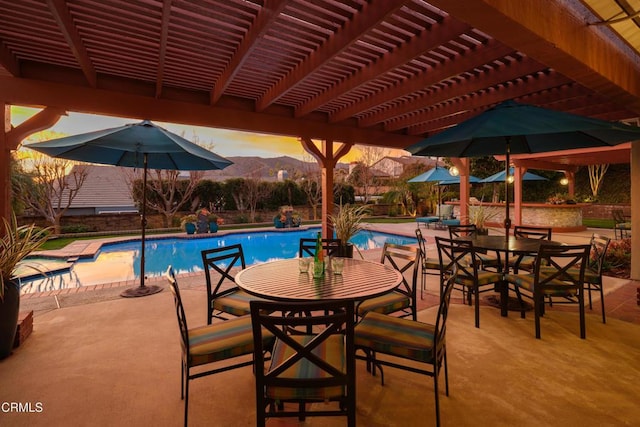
pixel 511 127
pixel 436 175
pixel 136 145
pixel 499 177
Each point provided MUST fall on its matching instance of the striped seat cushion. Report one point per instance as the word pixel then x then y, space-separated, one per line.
pixel 236 303
pixel 526 263
pixel 395 336
pixel 590 275
pixel 489 260
pixel 526 281
pixel 387 303
pixel 222 341
pixel 332 351
pixel 484 278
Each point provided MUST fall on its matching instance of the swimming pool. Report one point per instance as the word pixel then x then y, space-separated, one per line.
pixel 117 262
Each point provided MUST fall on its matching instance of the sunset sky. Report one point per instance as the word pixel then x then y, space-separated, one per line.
pixel 223 142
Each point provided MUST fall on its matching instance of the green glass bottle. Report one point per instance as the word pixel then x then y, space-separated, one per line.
pixel 318 258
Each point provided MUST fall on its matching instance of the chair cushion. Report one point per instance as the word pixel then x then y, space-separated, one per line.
pixel 427 219
pixel 332 350
pixel 526 263
pixel 396 336
pixel 484 278
pixel 590 275
pixel 221 341
pixel 488 260
pixel 236 303
pixel 387 303
pixel 526 281
pixel 448 222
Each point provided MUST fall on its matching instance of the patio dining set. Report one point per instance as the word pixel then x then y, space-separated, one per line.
pixel 303 331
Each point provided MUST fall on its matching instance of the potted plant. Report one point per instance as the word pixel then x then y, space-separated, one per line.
pixel 17 243
pixel 346 223
pixel 213 222
pixel 480 215
pixel 188 223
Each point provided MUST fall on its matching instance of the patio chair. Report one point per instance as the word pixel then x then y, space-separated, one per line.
pixel 558 273
pixel 429 265
pixel 407 342
pixel 593 271
pixel 402 299
pixel 223 302
pixel 622 224
pixel 308 247
pixel 471 231
pixel 459 256
pixel 524 261
pixel 210 344
pixel 313 360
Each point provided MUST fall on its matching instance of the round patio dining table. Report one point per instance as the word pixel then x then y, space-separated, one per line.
pixel 506 245
pixel 282 281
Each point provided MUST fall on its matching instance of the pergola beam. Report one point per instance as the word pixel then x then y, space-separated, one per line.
pixel 430 76
pixel 559 39
pixel 267 15
pixel 162 51
pixel 514 70
pixel 426 41
pixel 372 14
pixel 478 102
pixel 68 29
pixel 112 103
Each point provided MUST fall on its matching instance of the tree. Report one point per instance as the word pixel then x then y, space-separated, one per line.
pixel 363 175
pixel 50 191
pixel 311 184
pixel 255 191
pixel 166 192
pixel 235 187
pixel 596 174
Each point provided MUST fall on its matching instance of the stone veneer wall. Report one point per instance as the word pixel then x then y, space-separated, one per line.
pixel 561 217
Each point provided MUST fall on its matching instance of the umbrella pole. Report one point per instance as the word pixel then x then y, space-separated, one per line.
pixel 142 290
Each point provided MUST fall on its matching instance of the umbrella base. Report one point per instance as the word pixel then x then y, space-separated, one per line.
pixel 140 291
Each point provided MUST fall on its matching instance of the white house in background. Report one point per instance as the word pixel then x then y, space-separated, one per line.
pixel 104 191
pixel 393 167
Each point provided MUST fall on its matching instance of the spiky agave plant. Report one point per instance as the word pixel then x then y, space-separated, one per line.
pixel 348 221
pixel 17 243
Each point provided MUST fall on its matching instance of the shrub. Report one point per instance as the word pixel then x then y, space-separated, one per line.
pixel 76 228
pixel 618 255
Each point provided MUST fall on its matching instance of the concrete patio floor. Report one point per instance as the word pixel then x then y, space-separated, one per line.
pixel 102 360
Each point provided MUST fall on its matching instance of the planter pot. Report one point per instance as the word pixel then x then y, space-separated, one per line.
pixel 482 231
pixel 346 251
pixel 9 308
pixel 190 228
pixel 213 227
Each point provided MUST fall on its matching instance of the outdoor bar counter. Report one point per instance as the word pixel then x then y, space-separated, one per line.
pixel 561 217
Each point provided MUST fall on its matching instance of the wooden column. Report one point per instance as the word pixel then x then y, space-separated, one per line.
pixel 327 160
pixel 518 174
pixel 571 185
pixel 5 163
pixel 463 169
pixel 11 138
pixel 635 213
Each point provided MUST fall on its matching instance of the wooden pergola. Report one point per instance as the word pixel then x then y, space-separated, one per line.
pixel 331 73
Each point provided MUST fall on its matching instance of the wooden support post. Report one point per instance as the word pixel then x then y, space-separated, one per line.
pixel 571 183
pixel 518 175
pixel 327 160
pixel 10 139
pixel 463 168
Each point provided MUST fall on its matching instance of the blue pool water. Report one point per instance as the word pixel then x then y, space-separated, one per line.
pixel 121 261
